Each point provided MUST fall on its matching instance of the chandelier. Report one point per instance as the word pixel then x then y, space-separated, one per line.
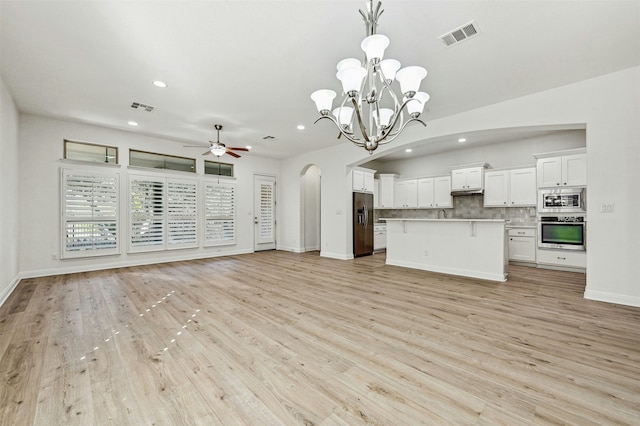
pixel 369 99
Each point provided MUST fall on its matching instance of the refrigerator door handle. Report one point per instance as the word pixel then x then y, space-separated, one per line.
pixel 366 215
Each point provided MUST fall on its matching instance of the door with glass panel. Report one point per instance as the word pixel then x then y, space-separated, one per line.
pixel 264 212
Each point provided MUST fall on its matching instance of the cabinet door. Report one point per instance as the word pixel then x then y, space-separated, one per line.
pixel 411 196
pixel 496 189
pixel 368 182
pixel 442 192
pixel 549 171
pixel 522 249
pixel 574 170
pixel 522 190
pixel 426 192
pixel 387 192
pixel 458 180
pixel 358 180
pixel 474 178
pixel 376 193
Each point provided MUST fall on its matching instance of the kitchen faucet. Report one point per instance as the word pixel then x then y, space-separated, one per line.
pixel 444 213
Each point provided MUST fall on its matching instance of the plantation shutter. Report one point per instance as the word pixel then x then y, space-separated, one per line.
pixel 220 212
pixel 89 213
pixel 147 212
pixel 181 214
pixel 266 209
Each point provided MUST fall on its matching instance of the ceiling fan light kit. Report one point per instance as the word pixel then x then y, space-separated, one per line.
pixel 218 149
pixel 375 107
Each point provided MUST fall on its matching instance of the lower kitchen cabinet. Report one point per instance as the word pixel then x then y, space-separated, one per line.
pixel 572 259
pixel 379 237
pixel 522 245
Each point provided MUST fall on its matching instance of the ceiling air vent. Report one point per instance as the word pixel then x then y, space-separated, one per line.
pixel 462 33
pixel 138 105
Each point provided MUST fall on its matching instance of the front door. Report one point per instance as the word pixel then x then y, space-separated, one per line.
pixel 265 212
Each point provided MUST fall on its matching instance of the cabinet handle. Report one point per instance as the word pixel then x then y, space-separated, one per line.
pixel 565 183
pixel 562 258
pixel 558 184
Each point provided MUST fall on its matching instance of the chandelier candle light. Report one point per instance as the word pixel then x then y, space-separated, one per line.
pixel 366 85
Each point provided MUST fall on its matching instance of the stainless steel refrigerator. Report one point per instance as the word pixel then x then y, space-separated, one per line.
pixel 362 224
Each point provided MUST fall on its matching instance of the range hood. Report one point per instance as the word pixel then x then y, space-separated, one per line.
pixel 467 192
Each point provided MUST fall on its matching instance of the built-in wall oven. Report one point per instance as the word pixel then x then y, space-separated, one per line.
pixel 562 232
pixel 562 200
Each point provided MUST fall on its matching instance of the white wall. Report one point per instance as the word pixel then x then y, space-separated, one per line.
pixel 41 151
pixel 511 154
pixel 9 196
pixel 607 105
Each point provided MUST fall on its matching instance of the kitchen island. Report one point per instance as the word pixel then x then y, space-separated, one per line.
pixel 467 247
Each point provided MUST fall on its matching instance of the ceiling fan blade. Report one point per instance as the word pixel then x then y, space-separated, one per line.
pixel 238 149
pixel 206 152
pixel 233 154
pixel 194 146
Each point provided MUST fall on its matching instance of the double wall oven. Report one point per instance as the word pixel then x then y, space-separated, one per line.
pixel 562 220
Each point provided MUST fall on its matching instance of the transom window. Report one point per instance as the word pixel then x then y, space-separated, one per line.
pixel 93 153
pixel 218 169
pixel 161 161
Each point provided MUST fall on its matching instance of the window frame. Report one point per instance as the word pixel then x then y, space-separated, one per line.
pixel 165 156
pixel 65 151
pixel 225 219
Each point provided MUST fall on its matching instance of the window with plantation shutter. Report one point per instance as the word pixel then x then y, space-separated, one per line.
pixel 147 212
pixel 220 213
pixel 163 213
pixel 181 214
pixel 89 213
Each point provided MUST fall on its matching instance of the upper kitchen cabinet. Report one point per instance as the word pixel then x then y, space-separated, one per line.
pixel 510 188
pixel 566 169
pixel 467 179
pixel 387 191
pixel 406 193
pixel 435 192
pixel 363 180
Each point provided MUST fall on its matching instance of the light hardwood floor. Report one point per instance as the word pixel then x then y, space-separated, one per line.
pixel 279 338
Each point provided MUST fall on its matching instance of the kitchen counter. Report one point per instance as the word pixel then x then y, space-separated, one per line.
pixel 467 247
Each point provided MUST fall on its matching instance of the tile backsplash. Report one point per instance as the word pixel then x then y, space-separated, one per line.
pixel 464 207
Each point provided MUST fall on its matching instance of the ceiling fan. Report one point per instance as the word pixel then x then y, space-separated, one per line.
pixel 218 149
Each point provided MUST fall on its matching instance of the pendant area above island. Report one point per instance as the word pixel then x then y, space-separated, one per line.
pixel 467 247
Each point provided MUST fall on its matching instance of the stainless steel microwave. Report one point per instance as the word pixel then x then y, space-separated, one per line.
pixel 562 200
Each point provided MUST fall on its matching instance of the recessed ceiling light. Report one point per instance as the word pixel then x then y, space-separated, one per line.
pixel 159 83
pixel 408 150
pixel 300 127
pixel 132 123
pixel 248 147
pixel 462 140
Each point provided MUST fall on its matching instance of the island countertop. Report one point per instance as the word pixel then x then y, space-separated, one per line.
pixel 440 220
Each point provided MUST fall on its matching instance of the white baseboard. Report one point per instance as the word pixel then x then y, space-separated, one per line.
pixel 619 299
pixel 133 262
pixel 10 288
pixel 338 256
pixel 483 275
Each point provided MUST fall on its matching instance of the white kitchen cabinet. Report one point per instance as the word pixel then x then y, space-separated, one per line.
pixel 406 193
pixel 510 188
pixel 426 193
pixel 442 192
pixel 376 193
pixel 435 192
pixel 362 180
pixel 496 189
pixel 564 170
pixel 387 191
pixel 379 237
pixel 522 245
pixel 560 259
pixel 467 179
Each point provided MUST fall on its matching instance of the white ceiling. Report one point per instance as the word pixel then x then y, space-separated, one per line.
pixel 251 65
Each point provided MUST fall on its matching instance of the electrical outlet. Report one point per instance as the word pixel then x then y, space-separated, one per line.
pixel 426 252
pixel 607 208
pixel 54 257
